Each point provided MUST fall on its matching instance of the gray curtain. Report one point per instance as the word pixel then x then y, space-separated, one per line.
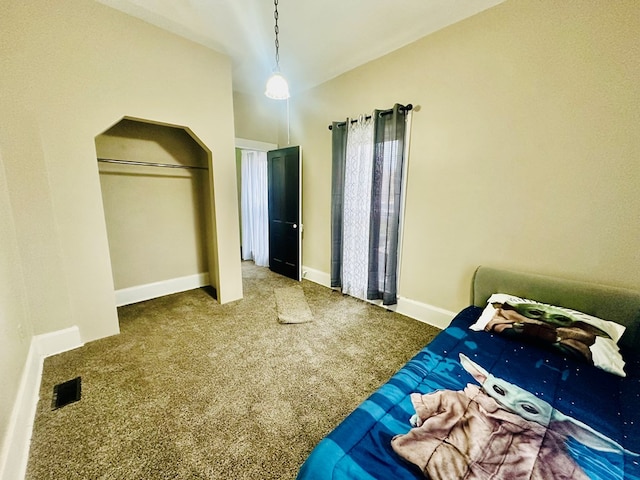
pixel 386 196
pixel 339 149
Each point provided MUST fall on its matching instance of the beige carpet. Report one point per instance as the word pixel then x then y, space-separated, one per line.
pixel 292 305
pixel 191 389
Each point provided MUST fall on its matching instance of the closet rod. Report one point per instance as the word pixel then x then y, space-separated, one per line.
pixel 383 112
pixel 149 164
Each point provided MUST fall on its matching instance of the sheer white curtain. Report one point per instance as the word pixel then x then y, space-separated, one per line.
pixel 357 207
pixel 255 207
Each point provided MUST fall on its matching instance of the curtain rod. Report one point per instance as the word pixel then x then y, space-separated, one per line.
pixel 367 117
pixel 149 164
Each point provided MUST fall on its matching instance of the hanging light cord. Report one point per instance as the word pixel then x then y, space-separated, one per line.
pixel 277 31
pixel 277 86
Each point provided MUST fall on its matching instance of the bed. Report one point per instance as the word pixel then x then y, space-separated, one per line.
pixel 486 403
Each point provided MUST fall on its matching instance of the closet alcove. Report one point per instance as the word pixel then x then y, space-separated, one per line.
pixel 156 194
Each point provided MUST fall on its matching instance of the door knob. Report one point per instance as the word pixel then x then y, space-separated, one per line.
pixel 295 225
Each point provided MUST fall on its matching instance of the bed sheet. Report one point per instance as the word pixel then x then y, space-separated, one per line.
pixel 360 447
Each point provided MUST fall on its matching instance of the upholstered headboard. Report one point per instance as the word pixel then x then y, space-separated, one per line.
pixel 609 303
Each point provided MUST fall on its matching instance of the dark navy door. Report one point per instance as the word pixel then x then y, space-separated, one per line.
pixel 285 231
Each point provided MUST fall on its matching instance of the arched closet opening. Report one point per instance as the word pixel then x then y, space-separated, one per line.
pixel 157 197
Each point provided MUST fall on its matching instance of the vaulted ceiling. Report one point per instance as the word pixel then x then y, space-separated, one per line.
pixel 319 40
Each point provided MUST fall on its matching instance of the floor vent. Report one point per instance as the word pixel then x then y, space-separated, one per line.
pixel 66 393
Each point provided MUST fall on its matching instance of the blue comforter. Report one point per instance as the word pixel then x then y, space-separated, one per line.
pixel 360 447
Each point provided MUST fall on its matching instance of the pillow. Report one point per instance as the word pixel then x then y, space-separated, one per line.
pixel 571 333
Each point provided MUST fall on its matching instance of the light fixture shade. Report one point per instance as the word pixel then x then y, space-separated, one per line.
pixel 277 87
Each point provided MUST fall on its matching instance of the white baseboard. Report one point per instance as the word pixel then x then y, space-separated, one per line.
pixel 53 343
pixel 140 293
pixel 316 276
pixel 15 449
pixel 436 316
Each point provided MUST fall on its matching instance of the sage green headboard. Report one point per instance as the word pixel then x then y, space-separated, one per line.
pixel 609 303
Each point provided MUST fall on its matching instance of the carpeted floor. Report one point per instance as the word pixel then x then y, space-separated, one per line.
pixel 192 389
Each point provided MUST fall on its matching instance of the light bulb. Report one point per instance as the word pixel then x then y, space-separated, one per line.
pixel 277 87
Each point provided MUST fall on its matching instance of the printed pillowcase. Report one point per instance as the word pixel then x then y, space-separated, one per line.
pixel 571 333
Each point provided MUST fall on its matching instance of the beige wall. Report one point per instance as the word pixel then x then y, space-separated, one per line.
pixel 70 69
pixel 256 117
pixel 156 217
pixel 524 149
pixel 15 328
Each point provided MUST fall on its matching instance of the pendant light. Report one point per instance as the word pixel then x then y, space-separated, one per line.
pixel 277 86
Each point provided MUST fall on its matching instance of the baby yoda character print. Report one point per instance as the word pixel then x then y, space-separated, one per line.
pixel 546 325
pixel 498 430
